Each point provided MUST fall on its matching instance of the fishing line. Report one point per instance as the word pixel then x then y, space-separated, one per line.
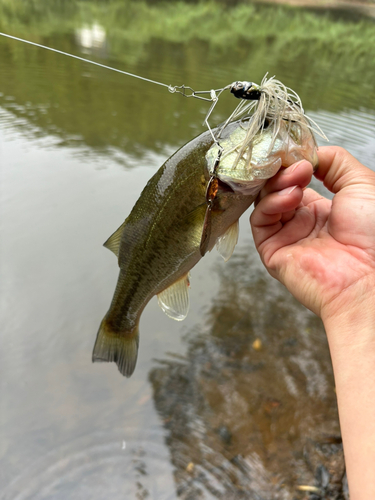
pixel 184 90
pixel 173 89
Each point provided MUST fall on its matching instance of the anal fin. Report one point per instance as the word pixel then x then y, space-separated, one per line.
pixel 226 243
pixel 174 300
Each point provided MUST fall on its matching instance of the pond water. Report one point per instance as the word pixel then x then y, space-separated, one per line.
pixel 238 400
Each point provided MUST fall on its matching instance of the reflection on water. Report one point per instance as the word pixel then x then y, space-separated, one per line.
pixel 244 406
pixel 91 37
pixel 251 409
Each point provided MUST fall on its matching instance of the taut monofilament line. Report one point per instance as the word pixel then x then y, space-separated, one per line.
pixel 173 89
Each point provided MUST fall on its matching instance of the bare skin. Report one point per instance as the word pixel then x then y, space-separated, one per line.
pixel 324 252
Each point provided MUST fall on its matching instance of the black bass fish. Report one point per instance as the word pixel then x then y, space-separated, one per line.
pixel 161 240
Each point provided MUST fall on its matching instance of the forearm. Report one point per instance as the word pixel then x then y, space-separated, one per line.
pixel 351 339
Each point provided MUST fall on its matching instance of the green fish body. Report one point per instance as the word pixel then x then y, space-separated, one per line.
pixel 160 241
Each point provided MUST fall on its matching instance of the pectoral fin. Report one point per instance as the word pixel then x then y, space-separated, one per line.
pixel 174 300
pixel 113 242
pixel 226 242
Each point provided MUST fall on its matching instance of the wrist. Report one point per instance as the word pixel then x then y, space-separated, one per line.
pixel 351 323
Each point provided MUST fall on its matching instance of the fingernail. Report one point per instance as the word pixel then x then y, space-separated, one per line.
pixel 292 168
pixel 287 191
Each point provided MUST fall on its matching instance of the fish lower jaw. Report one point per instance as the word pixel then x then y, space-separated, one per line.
pixel 244 187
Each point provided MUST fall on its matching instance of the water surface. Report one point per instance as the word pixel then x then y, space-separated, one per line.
pixel 206 414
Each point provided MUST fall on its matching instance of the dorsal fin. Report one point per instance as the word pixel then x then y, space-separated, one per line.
pixel 113 242
pixel 174 300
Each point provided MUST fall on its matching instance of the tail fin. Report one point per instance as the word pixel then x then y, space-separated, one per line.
pixel 120 348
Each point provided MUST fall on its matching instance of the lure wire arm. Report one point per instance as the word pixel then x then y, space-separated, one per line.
pixel 214 94
pixel 183 89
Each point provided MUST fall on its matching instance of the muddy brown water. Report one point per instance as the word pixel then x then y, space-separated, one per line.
pixel 236 402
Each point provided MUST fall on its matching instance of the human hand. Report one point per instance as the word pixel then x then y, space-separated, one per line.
pixel 323 251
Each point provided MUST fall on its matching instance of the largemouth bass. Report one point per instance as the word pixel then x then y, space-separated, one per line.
pixel 160 241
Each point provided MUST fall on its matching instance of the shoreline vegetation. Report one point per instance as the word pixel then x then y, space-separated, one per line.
pixel 308 27
pixel 204 44
pixel 62 17
pixel 366 6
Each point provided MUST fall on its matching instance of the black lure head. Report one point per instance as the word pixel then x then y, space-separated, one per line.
pixel 246 90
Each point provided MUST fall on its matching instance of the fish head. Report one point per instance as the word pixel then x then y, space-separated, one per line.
pixel 246 169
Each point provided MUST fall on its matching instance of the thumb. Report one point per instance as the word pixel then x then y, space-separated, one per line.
pixel 352 218
pixel 339 169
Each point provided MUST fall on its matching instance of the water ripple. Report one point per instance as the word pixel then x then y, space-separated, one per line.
pixel 99 465
pixel 352 129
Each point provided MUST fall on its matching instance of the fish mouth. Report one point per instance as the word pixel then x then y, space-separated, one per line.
pixel 242 186
pixel 225 186
pixel 250 181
